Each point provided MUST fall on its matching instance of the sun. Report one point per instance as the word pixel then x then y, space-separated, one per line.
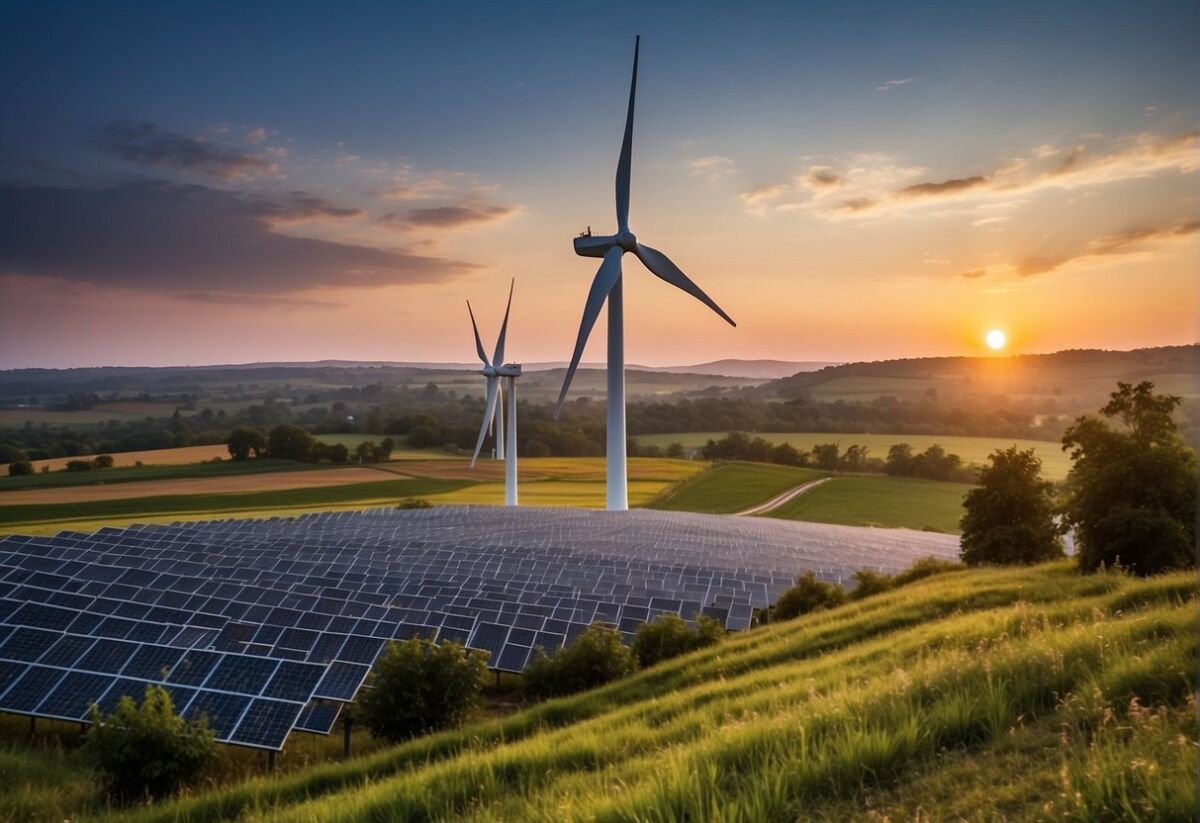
pixel 996 339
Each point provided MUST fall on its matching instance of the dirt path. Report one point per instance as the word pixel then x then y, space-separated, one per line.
pixel 269 481
pixel 776 502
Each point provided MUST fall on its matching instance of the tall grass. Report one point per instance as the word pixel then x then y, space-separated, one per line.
pixel 802 719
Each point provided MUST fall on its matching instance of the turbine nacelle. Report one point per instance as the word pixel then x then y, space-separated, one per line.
pixel 507 370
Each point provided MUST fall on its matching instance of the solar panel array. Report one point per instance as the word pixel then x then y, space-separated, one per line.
pixel 266 626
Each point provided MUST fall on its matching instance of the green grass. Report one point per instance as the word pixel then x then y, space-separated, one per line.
pixel 879 500
pixel 131 474
pixel 1026 694
pixel 1055 464
pixel 199 504
pixel 732 487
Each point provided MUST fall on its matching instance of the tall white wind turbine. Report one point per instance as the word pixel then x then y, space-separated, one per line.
pixel 494 371
pixel 607 286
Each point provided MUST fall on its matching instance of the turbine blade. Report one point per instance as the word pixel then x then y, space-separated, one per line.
pixel 606 277
pixel 498 357
pixel 487 416
pixel 626 158
pixel 478 342
pixel 661 266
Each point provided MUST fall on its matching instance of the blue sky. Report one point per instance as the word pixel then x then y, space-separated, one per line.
pixel 511 114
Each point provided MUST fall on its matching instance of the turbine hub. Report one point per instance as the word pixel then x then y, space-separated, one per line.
pixel 627 240
pixel 488 371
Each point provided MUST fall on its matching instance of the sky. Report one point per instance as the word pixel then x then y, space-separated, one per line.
pixel 246 182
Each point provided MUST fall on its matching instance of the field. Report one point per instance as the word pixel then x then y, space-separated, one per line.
pixel 1027 694
pixel 101 412
pixel 732 487
pixel 153 457
pixel 137 474
pixel 1055 463
pixel 891 502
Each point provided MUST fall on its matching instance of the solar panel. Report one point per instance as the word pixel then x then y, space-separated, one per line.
pixel 266 723
pixel 223 711
pixel 318 718
pixel 73 696
pixel 342 681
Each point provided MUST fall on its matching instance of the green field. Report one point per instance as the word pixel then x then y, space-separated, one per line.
pixel 732 487
pixel 889 502
pixel 1025 694
pixel 131 474
pixel 1055 463
pixel 401 451
pixel 197 505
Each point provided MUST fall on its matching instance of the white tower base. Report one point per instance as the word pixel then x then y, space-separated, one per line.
pixel 618 490
pixel 510 460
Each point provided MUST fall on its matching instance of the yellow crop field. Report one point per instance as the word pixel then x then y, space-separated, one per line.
pixel 152 457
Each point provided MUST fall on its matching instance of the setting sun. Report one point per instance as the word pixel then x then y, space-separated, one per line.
pixel 996 339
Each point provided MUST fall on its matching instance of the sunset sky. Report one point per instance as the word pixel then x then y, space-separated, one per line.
pixel 208 183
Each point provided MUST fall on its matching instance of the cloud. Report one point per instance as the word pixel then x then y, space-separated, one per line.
pixel 276 301
pixel 191 239
pixel 451 217
pixel 757 198
pixel 712 167
pixel 150 145
pixel 888 85
pixel 944 187
pixel 820 177
pixel 974 274
pixel 1140 243
pixel 256 135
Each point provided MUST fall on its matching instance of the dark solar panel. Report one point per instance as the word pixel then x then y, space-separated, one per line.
pixel 294 681
pixel 266 723
pixel 28 644
pixel 194 668
pixel 152 662
pixel 318 718
pixel 67 650
pixel 73 696
pixel 106 655
pixel 30 689
pixel 222 710
pixel 342 681
pixel 241 673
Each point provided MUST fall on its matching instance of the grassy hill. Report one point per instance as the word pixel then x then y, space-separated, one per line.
pixel 1029 694
pixel 732 487
pixel 879 500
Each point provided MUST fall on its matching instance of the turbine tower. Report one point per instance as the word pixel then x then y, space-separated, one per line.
pixel 494 371
pixel 607 286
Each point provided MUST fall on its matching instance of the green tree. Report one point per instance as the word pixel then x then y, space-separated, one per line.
pixel 1009 516
pixel 808 595
pixel 147 749
pixel 288 442
pixel 19 468
pixel 1131 492
pixel 669 635
pixel 868 583
pixel 244 441
pixel 103 461
pixel 420 686
pixel 899 460
pixel 597 656
pixel 825 456
pixel 785 454
pixel 675 450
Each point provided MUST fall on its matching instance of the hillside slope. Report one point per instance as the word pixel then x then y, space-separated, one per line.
pixel 1031 694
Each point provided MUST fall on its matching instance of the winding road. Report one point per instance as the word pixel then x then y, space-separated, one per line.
pixel 776 502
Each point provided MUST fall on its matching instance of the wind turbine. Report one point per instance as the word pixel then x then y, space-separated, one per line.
pixel 607 286
pixel 494 371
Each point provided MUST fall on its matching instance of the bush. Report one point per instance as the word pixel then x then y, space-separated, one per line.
pixel 867 583
pixel 1142 540
pixel 925 567
pixel 1009 517
pixel 19 468
pixel 103 461
pixel 80 465
pixel 147 749
pixel 597 656
pixel 414 503
pixel 808 595
pixel 289 442
pixel 420 686
pixel 669 636
pixel 243 441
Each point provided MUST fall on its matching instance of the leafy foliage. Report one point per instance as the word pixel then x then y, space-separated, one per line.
pixel 808 595
pixel 420 686
pixel 20 468
pixel 868 583
pixel 288 442
pixel 596 657
pixel 1131 494
pixel 1010 516
pixel 669 635
pixel 244 441
pixel 925 567
pixel 147 749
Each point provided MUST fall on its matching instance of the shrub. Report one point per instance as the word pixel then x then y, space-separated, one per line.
pixel 414 503
pixel 80 465
pixel 1009 517
pixel 808 595
pixel 1142 540
pixel 867 583
pixel 596 657
pixel 669 636
pixel 19 468
pixel 288 442
pixel 925 567
pixel 147 749
pixel 243 441
pixel 103 461
pixel 420 686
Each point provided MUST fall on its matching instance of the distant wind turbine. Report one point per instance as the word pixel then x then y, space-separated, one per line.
pixel 493 371
pixel 607 286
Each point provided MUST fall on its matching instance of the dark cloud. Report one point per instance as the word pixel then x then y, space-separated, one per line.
pixel 942 187
pixel 855 204
pixel 451 217
pixel 974 273
pixel 1132 242
pixel 191 239
pixel 150 145
pixel 823 178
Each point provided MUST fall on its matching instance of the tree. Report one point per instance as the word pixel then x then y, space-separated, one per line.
pixel 420 686
pixel 596 657
pixel 244 441
pixel 1131 491
pixel 675 450
pixel 19 468
pixel 808 595
pixel 785 454
pixel 825 456
pixel 103 461
pixel 1009 516
pixel 868 583
pixel 147 749
pixel 670 636
pixel 899 460
pixel 288 442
